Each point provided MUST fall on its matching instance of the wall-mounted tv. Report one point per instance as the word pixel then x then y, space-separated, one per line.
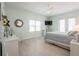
pixel 48 22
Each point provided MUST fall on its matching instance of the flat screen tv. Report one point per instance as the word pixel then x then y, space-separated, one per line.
pixel 48 22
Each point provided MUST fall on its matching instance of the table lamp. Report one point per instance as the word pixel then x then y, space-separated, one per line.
pixel 76 28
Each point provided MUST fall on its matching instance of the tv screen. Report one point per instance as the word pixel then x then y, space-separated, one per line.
pixel 48 22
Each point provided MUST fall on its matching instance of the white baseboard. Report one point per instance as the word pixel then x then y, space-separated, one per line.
pixel 31 37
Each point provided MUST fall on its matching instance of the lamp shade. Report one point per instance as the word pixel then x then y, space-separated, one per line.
pixel 76 28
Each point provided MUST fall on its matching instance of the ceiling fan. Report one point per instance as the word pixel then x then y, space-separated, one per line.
pixel 50 8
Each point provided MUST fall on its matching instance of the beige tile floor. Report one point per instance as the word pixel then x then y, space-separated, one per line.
pixel 38 47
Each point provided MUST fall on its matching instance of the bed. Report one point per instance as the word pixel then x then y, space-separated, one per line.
pixel 59 38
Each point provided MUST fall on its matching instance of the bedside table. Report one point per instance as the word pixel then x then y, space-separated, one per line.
pixel 74 48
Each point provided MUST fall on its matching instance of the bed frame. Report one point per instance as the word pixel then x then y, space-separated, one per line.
pixel 66 46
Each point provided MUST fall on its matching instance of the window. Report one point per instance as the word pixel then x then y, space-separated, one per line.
pixel 34 25
pixel 71 23
pixel 38 25
pixel 31 26
pixel 62 25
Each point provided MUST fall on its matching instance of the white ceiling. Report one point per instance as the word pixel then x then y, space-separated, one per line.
pixel 42 7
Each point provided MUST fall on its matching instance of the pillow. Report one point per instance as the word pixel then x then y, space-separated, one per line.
pixel 72 33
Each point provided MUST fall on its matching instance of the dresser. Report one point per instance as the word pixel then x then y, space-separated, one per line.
pixel 10 46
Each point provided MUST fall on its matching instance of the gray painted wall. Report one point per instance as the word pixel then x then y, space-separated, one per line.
pixel 23 32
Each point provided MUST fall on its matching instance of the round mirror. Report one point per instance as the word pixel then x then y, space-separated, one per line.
pixel 19 23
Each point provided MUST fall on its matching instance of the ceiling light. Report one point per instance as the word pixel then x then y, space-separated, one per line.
pixel 50 9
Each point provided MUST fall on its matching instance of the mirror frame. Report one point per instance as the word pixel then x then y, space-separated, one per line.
pixel 16 23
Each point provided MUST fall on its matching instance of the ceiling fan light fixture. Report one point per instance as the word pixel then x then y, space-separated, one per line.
pixel 48 12
pixel 50 6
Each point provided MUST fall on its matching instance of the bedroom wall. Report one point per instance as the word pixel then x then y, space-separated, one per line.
pixel 23 32
pixel 0 21
pixel 56 18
